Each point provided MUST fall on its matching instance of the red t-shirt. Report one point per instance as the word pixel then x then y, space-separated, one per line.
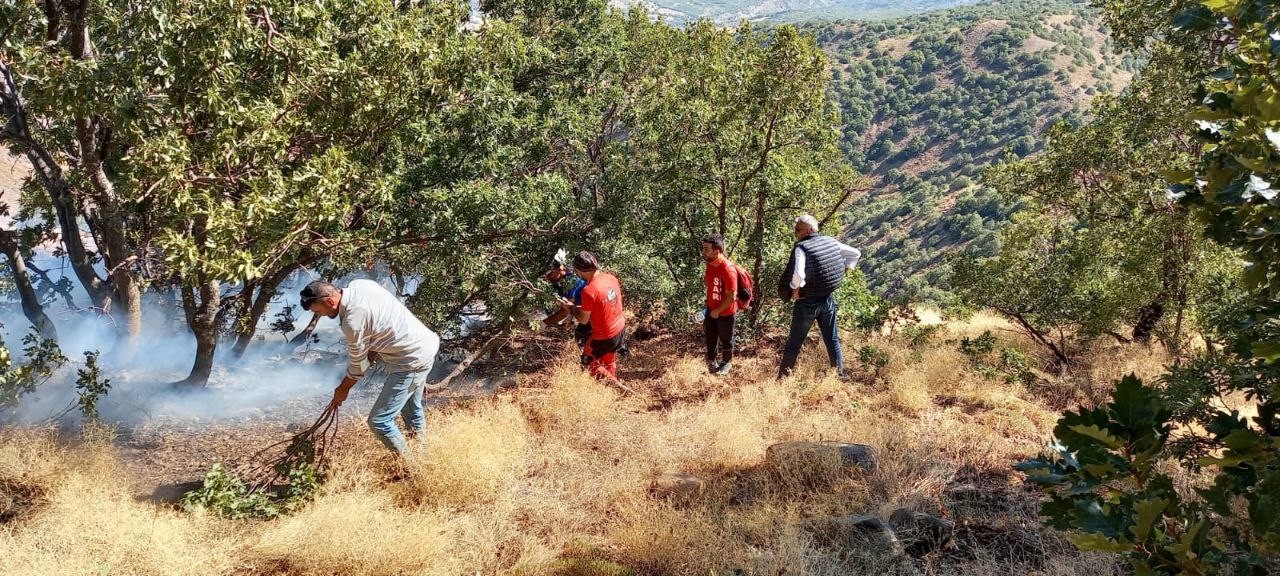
pixel 602 297
pixel 722 283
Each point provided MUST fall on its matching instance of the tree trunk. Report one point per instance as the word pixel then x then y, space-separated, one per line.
pixel 306 332
pixel 202 303
pixel 107 223
pixel 1188 263
pixel 247 327
pixel 67 297
pixel 242 308
pixel 1039 337
pixel 485 348
pixel 31 306
pixel 106 219
pixel 759 258
pixel 202 316
pixel 54 180
pixel 1148 317
pixel 91 141
pixel 126 295
pixel 72 243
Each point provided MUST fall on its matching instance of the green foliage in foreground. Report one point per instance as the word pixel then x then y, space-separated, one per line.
pixel 91 386
pixel 1129 477
pixel 1235 188
pixel 43 358
pixel 226 494
pixel 1104 481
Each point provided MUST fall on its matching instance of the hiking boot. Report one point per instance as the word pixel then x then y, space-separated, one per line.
pixel 724 368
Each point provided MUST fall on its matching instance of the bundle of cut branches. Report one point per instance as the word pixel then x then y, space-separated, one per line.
pixel 280 464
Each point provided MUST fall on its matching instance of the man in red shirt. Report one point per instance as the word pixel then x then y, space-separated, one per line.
pixel 721 279
pixel 602 307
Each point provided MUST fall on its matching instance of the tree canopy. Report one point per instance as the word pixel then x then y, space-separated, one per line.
pixel 213 149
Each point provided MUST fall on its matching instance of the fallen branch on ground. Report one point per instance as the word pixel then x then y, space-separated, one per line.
pixel 307 449
pixel 275 479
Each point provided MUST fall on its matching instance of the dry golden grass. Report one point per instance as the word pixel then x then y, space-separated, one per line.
pixel 909 391
pixel 358 531
pixel 554 480
pixel 86 522
pixel 473 457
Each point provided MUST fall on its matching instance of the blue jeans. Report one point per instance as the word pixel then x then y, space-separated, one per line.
pixel 401 394
pixel 807 310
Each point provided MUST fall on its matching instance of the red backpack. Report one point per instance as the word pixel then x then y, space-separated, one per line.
pixel 746 287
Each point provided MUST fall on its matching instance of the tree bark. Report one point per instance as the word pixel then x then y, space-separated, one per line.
pixel 306 332
pixel 54 181
pixel 462 367
pixel 105 217
pixel 247 327
pixel 31 306
pixel 73 244
pixel 103 214
pixel 242 308
pixel 759 257
pixel 201 304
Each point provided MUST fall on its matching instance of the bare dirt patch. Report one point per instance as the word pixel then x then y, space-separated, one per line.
pixel 1058 19
pixel 1035 43
pixel 896 47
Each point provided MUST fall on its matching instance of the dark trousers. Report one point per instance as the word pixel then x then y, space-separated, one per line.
pixel 719 331
pixel 807 310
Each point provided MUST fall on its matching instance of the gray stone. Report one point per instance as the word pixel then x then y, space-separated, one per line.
pixel 677 486
pixel 864 536
pixel 921 533
pixel 806 455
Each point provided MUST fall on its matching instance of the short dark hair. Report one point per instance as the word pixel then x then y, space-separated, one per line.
pixel 586 261
pixel 715 240
pixel 316 290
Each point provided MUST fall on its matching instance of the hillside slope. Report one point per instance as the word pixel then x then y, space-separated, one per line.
pixel 730 12
pixel 930 100
pixel 554 476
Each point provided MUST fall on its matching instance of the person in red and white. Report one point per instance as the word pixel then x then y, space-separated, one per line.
pixel 721 279
pixel 602 308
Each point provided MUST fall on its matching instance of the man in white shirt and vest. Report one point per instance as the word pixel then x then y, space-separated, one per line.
pixel 816 270
pixel 374 321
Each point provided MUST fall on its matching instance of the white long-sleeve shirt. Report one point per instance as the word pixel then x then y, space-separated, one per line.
pixel 374 320
pixel 850 254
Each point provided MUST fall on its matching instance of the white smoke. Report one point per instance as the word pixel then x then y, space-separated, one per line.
pixel 271 376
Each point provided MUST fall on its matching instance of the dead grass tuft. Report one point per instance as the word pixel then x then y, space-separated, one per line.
pixel 358 531
pixel 473 457
pixel 660 540
pixel 88 524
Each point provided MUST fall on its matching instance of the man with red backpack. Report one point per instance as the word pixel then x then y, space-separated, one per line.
pixel 728 291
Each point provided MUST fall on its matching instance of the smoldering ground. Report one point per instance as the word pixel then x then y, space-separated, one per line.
pixel 272 376
pixel 142 373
